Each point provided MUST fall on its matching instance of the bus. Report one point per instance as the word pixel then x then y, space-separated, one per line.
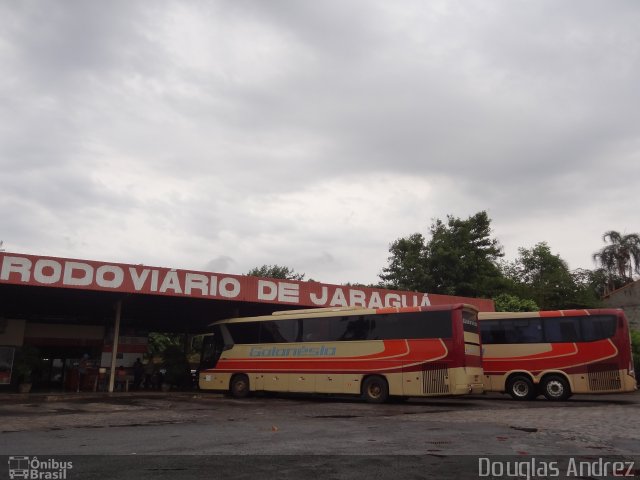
pixel 374 353
pixel 556 353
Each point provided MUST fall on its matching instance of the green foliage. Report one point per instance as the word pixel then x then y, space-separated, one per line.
pixel 635 350
pixel 542 276
pixel 159 342
pixel 178 370
pixel 275 271
pixel 589 288
pixel 407 265
pixel 545 278
pixel 26 364
pixel 511 303
pixel 461 258
pixel 620 259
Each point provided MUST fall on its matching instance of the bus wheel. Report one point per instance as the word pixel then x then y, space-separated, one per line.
pixel 556 388
pixel 520 387
pixel 375 390
pixel 239 387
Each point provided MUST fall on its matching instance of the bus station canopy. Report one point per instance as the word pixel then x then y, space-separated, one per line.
pixel 72 291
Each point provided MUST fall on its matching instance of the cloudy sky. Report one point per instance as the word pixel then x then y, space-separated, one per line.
pixel 224 135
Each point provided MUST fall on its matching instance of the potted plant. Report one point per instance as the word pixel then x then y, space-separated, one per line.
pixel 27 361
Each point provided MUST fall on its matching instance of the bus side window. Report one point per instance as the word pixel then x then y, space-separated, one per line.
pixel 244 333
pixel 528 331
pixel 562 329
pixel 598 327
pixel 316 329
pixel 350 328
pixel 491 333
pixel 386 327
pixel 373 334
pixel 280 331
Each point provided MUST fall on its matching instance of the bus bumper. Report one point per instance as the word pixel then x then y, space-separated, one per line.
pixel 630 384
pixel 468 388
pixel 476 388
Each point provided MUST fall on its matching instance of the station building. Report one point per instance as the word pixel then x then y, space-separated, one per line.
pixel 68 309
pixel 628 299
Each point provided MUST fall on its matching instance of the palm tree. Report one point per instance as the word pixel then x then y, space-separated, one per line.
pixel 622 257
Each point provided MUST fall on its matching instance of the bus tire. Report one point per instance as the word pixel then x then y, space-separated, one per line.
pixel 520 387
pixel 375 389
pixel 239 386
pixel 555 388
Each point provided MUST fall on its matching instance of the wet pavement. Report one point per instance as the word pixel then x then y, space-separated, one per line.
pixel 163 425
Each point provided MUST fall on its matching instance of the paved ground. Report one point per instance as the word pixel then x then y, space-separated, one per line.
pixel 433 429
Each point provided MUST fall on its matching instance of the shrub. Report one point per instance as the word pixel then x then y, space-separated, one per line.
pixel 27 362
pixel 177 369
pixel 510 303
pixel 635 350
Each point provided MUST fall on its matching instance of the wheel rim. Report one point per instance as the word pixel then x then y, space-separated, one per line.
pixel 555 388
pixel 374 390
pixel 240 386
pixel 520 389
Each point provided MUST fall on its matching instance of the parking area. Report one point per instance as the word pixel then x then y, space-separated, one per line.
pixel 215 424
pixel 191 435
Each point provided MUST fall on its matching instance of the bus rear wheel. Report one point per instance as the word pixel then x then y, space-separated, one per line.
pixel 555 388
pixel 239 387
pixel 520 387
pixel 375 390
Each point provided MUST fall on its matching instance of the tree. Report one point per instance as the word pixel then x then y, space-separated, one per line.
pixel 621 258
pixel 160 341
pixel 511 303
pixel 462 258
pixel 590 287
pixel 406 270
pixel 176 366
pixel 276 271
pixel 542 276
pixel 27 364
pixel 459 259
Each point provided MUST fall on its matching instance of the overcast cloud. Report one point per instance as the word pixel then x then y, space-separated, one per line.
pixel 225 135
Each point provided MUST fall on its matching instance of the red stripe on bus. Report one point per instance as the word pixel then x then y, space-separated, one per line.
pixel 561 356
pixel 394 356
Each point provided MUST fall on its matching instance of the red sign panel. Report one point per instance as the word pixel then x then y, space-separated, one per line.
pixel 19 269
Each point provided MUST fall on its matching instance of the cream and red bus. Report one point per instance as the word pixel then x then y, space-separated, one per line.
pixel 374 353
pixel 556 353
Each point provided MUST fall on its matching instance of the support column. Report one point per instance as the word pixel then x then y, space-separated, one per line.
pixel 114 351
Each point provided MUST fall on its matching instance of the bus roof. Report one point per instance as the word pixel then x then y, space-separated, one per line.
pixel 549 313
pixel 331 311
pixel 314 310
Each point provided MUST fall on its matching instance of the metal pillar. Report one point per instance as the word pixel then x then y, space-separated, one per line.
pixel 114 351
